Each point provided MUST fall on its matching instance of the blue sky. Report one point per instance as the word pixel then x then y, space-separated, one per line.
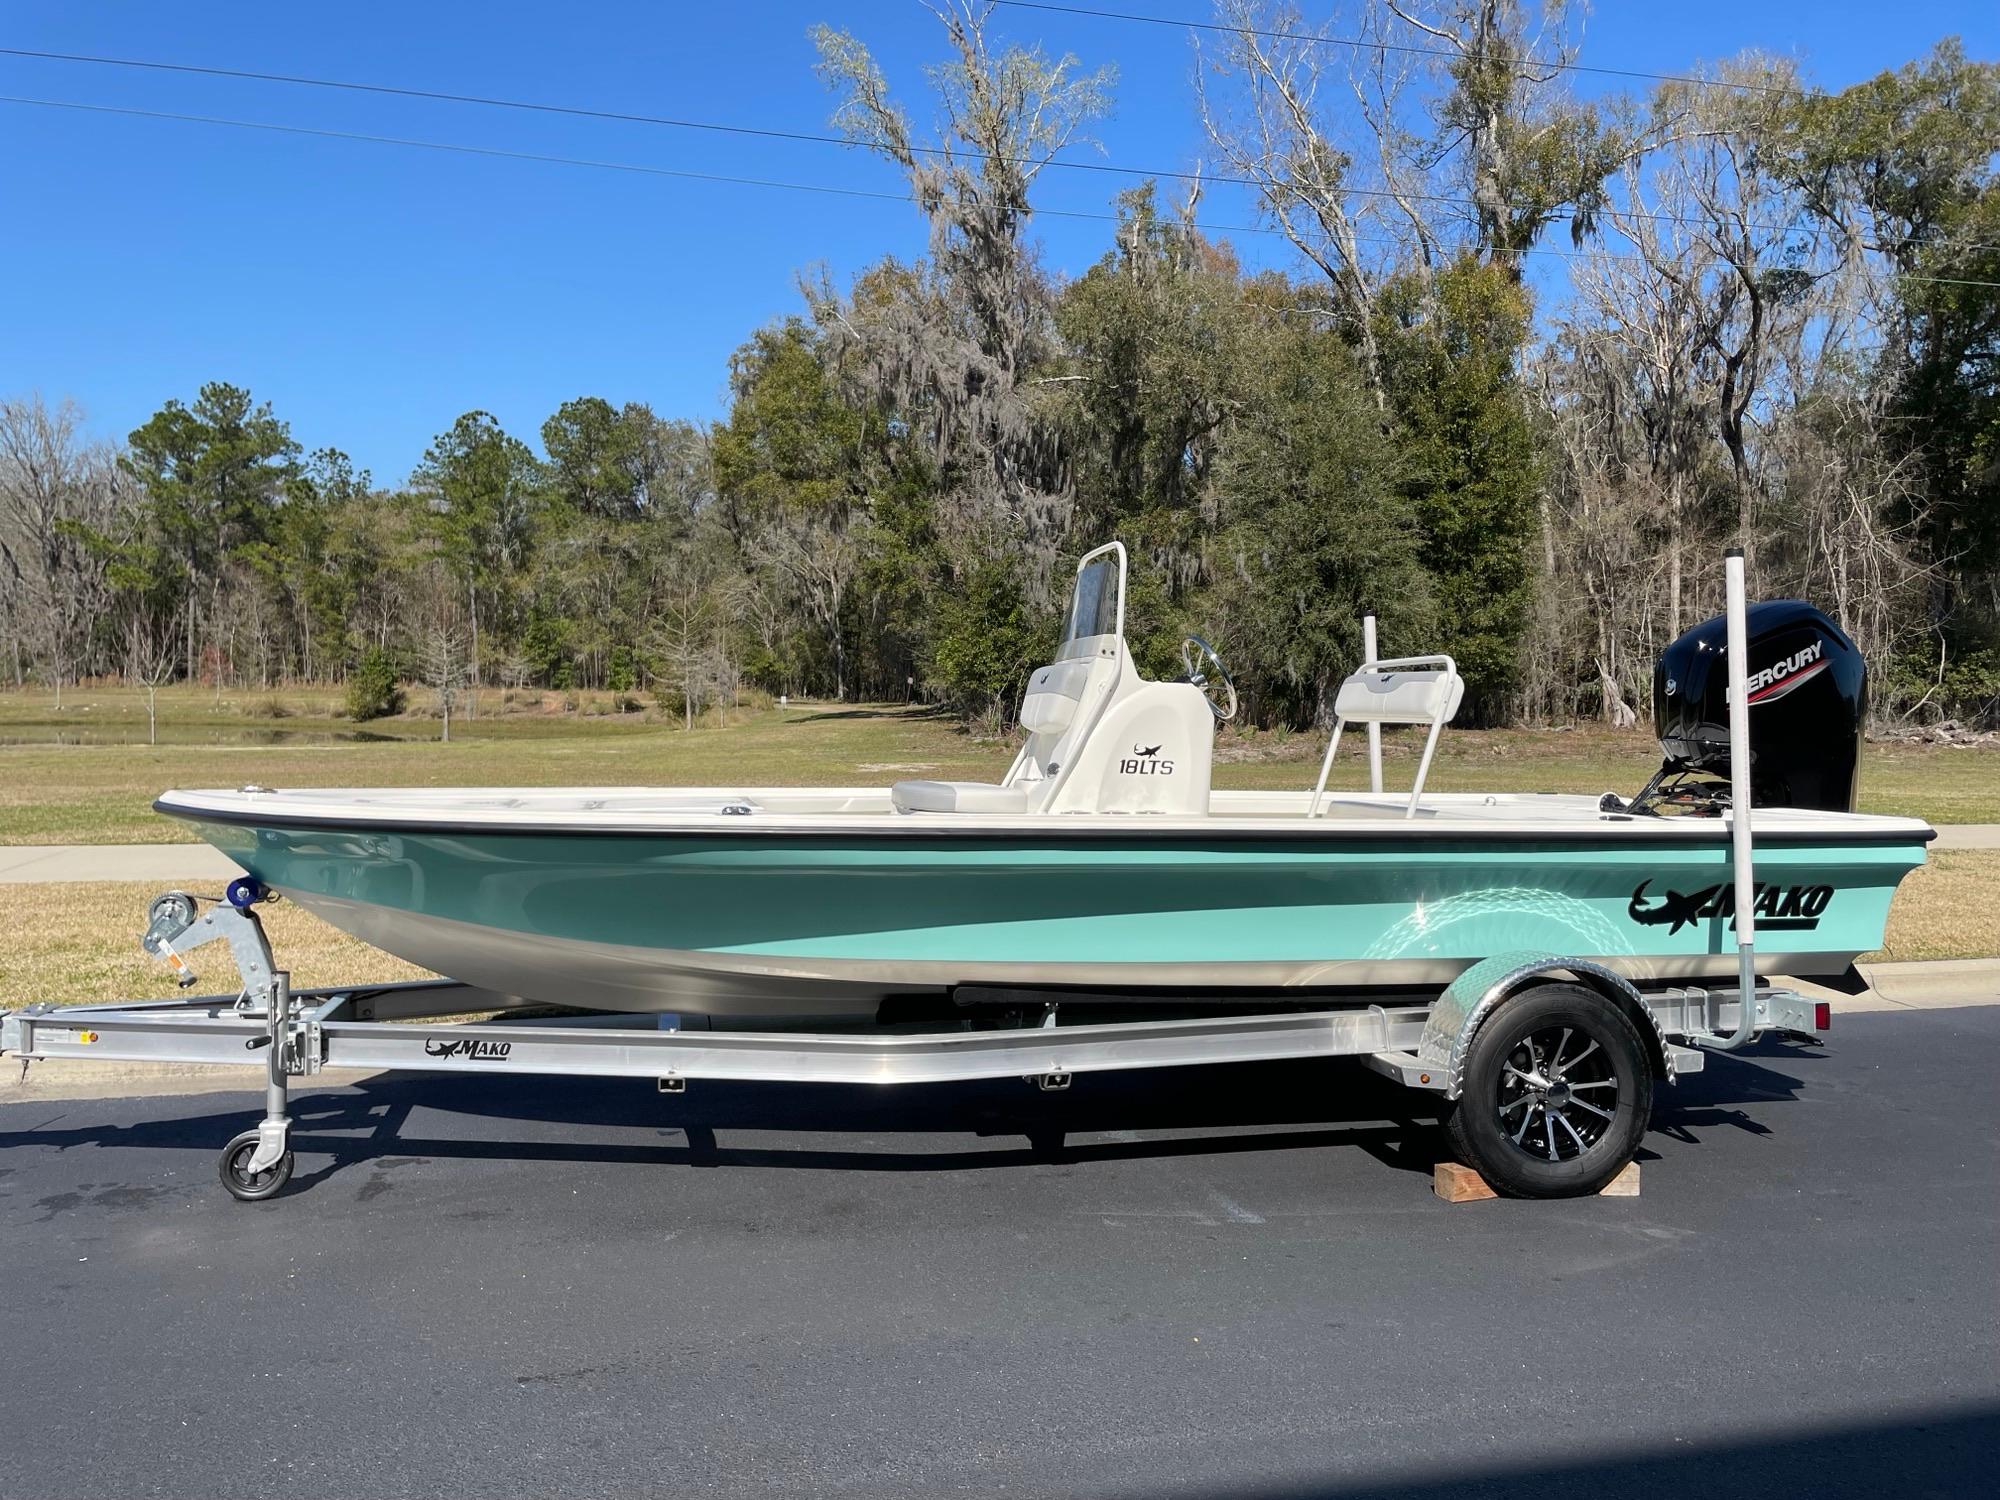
pixel 372 293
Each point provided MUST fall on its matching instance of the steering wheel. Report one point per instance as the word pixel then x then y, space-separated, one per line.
pixel 1198 657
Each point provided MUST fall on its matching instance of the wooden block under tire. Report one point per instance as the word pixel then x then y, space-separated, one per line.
pixel 1624 1185
pixel 1457 1183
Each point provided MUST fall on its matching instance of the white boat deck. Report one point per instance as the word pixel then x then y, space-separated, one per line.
pixel 749 811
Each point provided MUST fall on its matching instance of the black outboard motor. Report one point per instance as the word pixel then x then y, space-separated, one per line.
pixel 1808 698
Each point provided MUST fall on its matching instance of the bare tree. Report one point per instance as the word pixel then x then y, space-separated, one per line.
pixel 1708 382
pixel 56 492
pixel 682 643
pixel 152 653
pixel 819 557
pixel 444 640
pixel 1260 103
pixel 1399 134
pixel 963 352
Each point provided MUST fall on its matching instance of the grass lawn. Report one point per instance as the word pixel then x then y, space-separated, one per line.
pixel 97 785
pixel 1948 909
pixel 70 942
pixel 79 943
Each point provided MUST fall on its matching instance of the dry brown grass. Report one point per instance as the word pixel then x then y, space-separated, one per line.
pixel 73 944
pixel 77 944
pixel 100 791
pixel 1948 909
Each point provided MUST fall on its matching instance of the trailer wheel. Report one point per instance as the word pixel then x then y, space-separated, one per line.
pixel 1557 1094
pixel 243 1184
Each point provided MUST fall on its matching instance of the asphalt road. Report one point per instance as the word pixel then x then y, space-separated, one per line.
pixel 1229 1283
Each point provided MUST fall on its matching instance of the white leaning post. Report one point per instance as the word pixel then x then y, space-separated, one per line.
pixel 1739 801
pixel 1441 709
pixel 1374 730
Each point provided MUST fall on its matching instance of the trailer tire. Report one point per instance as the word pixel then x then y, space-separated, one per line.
pixel 1531 1116
pixel 244 1185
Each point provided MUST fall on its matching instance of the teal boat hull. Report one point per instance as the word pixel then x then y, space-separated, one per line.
pixel 780 925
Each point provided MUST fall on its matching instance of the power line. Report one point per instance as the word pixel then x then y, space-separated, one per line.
pixel 1414 50
pixel 462 149
pixel 671 122
pixel 648 170
pixel 760 132
pixel 550 159
pixel 1365 44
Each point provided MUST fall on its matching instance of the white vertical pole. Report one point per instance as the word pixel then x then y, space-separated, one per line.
pixel 1738 652
pixel 1374 729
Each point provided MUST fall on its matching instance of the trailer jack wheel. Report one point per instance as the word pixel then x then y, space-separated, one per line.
pixel 245 1185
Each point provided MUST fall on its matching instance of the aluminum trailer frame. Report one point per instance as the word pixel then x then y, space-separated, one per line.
pixel 297 1034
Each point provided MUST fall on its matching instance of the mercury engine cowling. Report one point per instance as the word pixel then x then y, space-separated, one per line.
pixel 1808 690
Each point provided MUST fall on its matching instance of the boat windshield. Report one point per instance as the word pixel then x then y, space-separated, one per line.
pixel 1093 609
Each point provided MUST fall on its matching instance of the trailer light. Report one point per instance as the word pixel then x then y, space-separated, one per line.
pixel 1822 1016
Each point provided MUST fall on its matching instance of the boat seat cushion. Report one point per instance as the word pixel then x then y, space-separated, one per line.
pixel 1400 697
pixel 957 797
pixel 1053 694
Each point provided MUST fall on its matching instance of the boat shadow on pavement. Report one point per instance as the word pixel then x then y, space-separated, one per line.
pixel 1940 1452
pixel 1196 1111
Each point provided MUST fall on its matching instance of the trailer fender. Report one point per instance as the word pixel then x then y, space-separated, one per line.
pixel 1460 1011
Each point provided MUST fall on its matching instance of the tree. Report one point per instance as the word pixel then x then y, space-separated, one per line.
pixel 444 654
pixel 1314 528
pixel 1260 105
pixel 1163 344
pixel 686 639
pixel 56 493
pixel 1529 153
pixel 1372 175
pixel 599 456
pixel 819 556
pixel 213 475
pixel 1711 381
pixel 788 465
pixel 484 490
pixel 1901 168
pixel 372 691
pixel 955 358
pixel 150 649
pixel 1470 463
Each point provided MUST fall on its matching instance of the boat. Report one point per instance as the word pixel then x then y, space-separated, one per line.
pixel 1105 866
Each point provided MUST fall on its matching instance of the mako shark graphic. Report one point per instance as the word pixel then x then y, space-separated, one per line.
pixel 1778 908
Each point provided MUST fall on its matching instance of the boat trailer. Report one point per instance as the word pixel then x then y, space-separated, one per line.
pixel 1427 1043
pixel 1515 1037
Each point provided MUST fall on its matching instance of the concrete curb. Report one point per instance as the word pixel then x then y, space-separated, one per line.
pixel 1940 982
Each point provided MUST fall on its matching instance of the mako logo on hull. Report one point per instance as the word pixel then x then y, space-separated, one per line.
pixel 1144 761
pixel 1778 908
